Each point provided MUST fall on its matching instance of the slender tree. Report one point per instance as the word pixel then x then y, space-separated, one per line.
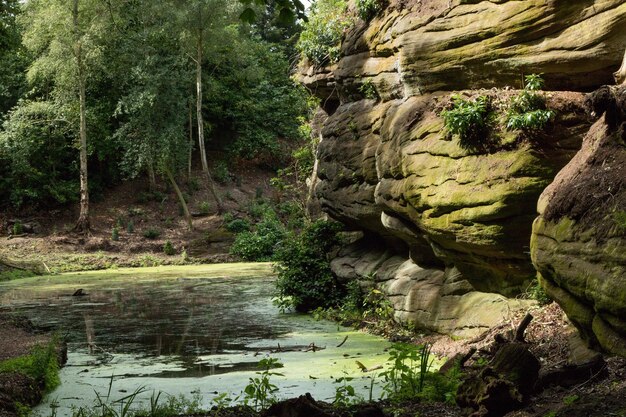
pixel 202 17
pixel 65 37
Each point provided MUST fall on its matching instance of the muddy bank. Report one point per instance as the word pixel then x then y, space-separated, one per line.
pixel 18 338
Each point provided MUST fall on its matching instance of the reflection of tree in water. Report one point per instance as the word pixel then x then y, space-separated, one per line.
pixel 183 318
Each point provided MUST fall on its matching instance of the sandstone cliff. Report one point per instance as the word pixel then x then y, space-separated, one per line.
pixel 447 227
pixel 579 239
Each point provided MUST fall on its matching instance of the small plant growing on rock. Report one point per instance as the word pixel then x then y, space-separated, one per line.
pixel 368 90
pixel 367 9
pixel 468 118
pixel 168 248
pixel 527 110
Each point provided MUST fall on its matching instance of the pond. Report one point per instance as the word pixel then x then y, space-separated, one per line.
pixel 193 331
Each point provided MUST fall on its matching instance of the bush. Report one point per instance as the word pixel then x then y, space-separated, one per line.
pixel 115 234
pixel 468 118
pixel 204 207
pixel 527 110
pixel 151 234
pixel 305 280
pixel 168 249
pixel 260 243
pixel 18 229
pixel 321 36
pixel 221 173
pixel 238 226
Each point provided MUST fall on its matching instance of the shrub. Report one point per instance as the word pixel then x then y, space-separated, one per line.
pixel 527 111
pixel 168 248
pixel 367 9
pixel 130 227
pixel 18 229
pixel 115 234
pixel 221 173
pixel 468 118
pixel 238 226
pixel 204 207
pixel 260 244
pixel 151 234
pixel 321 36
pixel 305 280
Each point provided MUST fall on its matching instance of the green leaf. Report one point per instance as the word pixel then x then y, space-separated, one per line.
pixel 248 15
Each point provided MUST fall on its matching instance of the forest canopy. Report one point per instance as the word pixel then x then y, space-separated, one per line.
pixel 105 91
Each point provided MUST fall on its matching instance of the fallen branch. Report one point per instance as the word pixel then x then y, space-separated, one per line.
pixel 344 341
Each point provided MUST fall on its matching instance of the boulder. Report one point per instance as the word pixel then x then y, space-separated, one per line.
pixel 579 239
pixel 441 301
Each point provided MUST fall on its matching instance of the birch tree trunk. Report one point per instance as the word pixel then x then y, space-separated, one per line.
pixel 205 165
pixel 82 225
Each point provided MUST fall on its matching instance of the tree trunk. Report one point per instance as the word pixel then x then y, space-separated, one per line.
pixel 181 198
pixel 82 225
pixel 205 165
pixel 190 143
pixel 151 175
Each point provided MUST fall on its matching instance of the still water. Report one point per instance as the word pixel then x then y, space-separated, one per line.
pixel 193 330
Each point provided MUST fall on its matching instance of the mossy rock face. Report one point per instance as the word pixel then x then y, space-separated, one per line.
pixel 407 51
pixel 579 241
pixel 385 163
pixel 391 169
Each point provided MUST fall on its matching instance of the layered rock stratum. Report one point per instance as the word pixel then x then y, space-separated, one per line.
pixel 447 226
pixel 579 239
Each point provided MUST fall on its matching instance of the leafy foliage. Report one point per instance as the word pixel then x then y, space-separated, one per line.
pixel 37 156
pixel 260 391
pixel 409 376
pixel 41 364
pixel 468 118
pixel 260 243
pixel 305 280
pixel 321 36
pixel 367 9
pixel 527 110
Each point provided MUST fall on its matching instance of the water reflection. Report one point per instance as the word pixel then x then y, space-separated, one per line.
pixel 183 317
pixel 183 335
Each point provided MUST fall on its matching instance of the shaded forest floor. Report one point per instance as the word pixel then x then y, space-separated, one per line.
pixel 144 221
